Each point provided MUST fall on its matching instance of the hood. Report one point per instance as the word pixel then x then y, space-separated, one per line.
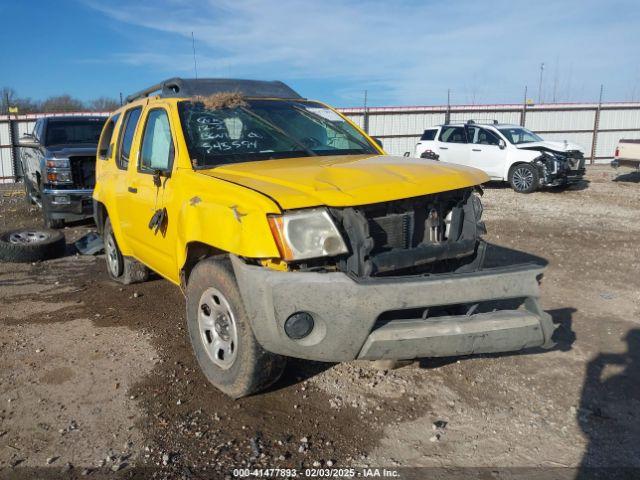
pixel 67 150
pixel 340 181
pixel 553 146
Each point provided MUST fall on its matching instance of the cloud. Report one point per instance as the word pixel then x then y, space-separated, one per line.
pixel 402 51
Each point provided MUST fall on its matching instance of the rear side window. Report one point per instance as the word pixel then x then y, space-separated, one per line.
pixel 157 144
pixel 105 147
pixel 429 134
pixel 453 135
pixel 129 124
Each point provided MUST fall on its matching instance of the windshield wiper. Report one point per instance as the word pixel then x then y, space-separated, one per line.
pixel 325 122
pixel 266 122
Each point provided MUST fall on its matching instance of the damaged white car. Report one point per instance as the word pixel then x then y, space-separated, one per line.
pixel 506 153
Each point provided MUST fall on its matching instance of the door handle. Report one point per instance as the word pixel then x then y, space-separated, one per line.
pixel 444 148
pixel 133 189
pixel 476 149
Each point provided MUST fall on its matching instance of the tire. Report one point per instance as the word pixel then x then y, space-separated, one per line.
pixel 226 349
pixel 54 223
pixel 31 245
pixel 121 269
pixel 524 178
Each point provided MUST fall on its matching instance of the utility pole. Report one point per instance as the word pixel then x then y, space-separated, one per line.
pixel 120 98
pixel 193 46
pixel 540 83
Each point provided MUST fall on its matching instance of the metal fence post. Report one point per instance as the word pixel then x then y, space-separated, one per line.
pixel 596 127
pixel 13 143
pixel 523 114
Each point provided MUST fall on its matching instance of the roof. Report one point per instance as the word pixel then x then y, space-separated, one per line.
pixel 190 87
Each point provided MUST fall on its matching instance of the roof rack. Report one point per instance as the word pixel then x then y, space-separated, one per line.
pixel 189 87
pixel 493 121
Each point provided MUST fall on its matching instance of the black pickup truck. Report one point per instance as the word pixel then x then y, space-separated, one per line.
pixel 59 165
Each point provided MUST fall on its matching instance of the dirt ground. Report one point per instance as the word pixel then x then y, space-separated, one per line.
pixel 99 377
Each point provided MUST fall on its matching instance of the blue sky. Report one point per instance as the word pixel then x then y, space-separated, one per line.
pixel 403 52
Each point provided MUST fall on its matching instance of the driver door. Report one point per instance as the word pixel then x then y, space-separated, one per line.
pixel 149 193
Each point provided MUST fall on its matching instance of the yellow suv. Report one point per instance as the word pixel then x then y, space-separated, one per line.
pixel 292 234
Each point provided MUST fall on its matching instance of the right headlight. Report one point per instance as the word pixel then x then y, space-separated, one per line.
pixel 305 234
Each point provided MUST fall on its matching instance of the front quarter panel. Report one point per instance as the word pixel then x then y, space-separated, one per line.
pixel 517 155
pixel 225 216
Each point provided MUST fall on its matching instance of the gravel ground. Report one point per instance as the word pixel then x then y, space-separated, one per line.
pixel 97 377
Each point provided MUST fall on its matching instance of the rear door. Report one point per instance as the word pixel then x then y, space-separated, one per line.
pixel 485 152
pixel 452 145
pixel 126 136
pixel 427 141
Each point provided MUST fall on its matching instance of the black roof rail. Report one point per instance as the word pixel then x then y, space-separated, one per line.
pixel 471 121
pixel 189 87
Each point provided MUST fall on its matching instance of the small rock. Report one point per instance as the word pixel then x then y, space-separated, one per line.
pixel 440 424
pixel 67 467
pixel 179 402
pixel 435 438
pixel 316 464
pixel 136 295
pixel 50 460
pixel 329 463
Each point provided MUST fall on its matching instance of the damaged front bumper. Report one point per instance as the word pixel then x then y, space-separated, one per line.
pixel 396 318
pixel 555 172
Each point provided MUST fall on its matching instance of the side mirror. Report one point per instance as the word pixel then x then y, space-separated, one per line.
pixel 378 141
pixel 28 140
pixel 502 144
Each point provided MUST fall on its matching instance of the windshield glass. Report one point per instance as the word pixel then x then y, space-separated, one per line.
pixel 266 129
pixel 74 131
pixel 518 135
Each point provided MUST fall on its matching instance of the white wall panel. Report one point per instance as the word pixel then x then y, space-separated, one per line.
pixel 560 120
pixel 619 119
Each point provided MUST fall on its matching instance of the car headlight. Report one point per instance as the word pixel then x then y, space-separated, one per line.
pixel 59 177
pixel 306 234
pixel 58 163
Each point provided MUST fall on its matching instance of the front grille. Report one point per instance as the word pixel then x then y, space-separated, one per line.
pixel 83 171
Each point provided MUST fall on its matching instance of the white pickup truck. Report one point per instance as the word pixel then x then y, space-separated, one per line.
pixel 627 154
pixel 506 153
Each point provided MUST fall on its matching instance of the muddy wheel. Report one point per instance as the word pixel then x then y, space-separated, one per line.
pixel 31 245
pixel 55 223
pixel 524 178
pixel 224 345
pixel 120 268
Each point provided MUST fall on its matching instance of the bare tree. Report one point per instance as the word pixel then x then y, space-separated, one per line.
pixel 62 103
pixel 103 104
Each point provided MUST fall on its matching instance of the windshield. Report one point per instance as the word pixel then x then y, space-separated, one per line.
pixel 74 131
pixel 266 129
pixel 517 135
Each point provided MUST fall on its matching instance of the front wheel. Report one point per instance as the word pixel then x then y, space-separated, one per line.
pixel 120 268
pixel 524 178
pixel 224 345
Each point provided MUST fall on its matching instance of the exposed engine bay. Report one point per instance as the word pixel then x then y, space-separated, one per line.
pixel 559 168
pixel 424 235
